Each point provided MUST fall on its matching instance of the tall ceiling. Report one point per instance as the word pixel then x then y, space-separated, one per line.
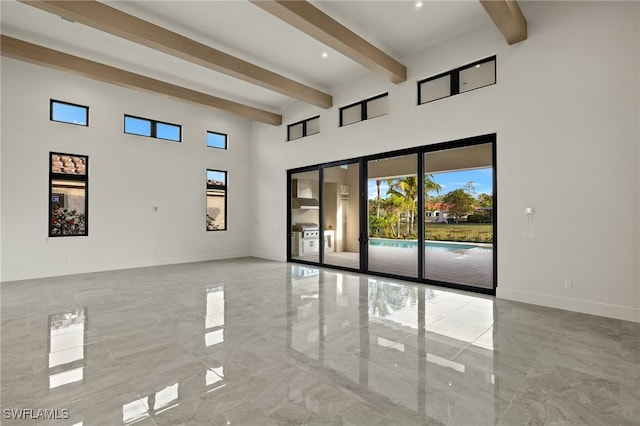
pixel 240 28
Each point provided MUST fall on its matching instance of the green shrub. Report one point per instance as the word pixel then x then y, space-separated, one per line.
pixel 479 217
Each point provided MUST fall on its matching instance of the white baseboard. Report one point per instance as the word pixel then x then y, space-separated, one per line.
pixel 90 267
pixel 269 256
pixel 627 313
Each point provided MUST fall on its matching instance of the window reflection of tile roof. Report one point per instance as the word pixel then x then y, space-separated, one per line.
pixel 68 164
pixel 215 182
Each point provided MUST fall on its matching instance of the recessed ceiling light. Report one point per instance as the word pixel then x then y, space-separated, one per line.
pixel 478 66
pixel 418 4
pixel 324 55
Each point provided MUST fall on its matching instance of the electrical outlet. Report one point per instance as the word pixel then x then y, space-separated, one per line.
pixel 568 284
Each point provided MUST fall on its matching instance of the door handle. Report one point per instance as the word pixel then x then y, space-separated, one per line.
pixel 363 239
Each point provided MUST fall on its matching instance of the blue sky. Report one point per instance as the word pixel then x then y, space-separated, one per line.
pixel 69 113
pixel 216 175
pixel 450 181
pixel 76 114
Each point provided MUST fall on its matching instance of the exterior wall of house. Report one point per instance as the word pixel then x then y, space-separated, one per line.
pixel 73 198
pixel 128 176
pixel 215 209
pixel 566 113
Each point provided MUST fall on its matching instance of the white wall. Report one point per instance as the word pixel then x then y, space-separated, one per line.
pixel 1 126
pixel 128 175
pixel 566 114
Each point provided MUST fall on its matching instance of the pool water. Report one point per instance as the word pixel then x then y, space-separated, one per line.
pixel 429 245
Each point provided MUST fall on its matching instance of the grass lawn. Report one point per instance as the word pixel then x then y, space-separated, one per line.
pixel 471 232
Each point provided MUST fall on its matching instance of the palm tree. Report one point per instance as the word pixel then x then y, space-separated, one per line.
pixel 430 185
pixel 378 182
pixel 395 204
pixel 407 188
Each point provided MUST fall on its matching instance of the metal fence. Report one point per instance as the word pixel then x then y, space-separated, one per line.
pixel 464 232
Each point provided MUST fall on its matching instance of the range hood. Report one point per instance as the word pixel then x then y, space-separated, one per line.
pixel 304 203
pixel 302 195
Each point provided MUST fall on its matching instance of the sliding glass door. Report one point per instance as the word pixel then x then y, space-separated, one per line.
pixel 305 216
pixel 458 219
pixel 425 214
pixel 393 190
pixel 341 212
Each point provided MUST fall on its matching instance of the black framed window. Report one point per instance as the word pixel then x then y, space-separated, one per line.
pixel 364 110
pixel 216 200
pixel 216 140
pixel 425 231
pixel 434 89
pixel 303 128
pixel 65 112
pixel 152 128
pixel 68 194
pixel 469 77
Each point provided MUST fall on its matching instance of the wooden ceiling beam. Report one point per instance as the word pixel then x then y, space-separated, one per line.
pixel 311 20
pixel 113 21
pixel 18 49
pixel 508 17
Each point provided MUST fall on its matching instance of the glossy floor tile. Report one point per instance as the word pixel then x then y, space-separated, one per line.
pixel 466 266
pixel 252 342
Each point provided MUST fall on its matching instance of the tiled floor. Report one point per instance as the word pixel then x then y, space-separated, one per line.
pixel 471 267
pixel 251 342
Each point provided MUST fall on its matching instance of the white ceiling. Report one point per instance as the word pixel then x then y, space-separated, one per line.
pixel 248 32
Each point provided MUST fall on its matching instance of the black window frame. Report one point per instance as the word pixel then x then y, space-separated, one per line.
pixel 57 101
pixel 455 79
pixel 363 109
pixel 226 140
pixel 225 188
pixel 363 268
pixel 69 177
pixel 153 124
pixel 305 133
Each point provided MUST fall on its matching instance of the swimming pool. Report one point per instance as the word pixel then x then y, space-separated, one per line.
pixel 428 245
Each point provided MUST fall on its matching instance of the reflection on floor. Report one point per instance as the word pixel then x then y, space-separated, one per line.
pixel 345 259
pixel 472 267
pixel 248 341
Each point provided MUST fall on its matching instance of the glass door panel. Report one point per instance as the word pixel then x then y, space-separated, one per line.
pixel 305 217
pixel 393 188
pixel 459 216
pixel 341 216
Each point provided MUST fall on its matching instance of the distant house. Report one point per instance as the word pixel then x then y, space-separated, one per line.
pixel 436 213
pixel 439 213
